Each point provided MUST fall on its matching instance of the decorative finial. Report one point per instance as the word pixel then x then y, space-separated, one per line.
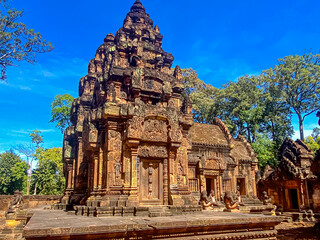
pixel 156 28
pixel 137 7
pixel 177 73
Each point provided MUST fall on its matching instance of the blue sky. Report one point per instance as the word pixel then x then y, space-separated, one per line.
pixel 222 40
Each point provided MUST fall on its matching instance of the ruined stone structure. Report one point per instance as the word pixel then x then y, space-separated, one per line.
pixel 292 186
pixel 133 141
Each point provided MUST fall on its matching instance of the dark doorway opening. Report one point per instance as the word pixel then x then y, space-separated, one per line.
pixel 294 199
pixel 241 186
pixel 208 185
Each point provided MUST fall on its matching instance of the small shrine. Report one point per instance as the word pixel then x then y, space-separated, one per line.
pixel 292 186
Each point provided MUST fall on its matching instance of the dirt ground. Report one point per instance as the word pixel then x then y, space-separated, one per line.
pixel 299 231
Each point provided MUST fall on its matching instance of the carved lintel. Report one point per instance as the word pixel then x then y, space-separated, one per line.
pixel 153 151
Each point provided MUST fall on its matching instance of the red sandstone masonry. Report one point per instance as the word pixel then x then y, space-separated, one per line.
pixel 30 201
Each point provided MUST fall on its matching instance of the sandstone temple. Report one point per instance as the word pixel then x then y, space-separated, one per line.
pixel 133 140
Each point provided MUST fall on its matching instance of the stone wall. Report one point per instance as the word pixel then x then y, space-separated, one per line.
pixel 30 201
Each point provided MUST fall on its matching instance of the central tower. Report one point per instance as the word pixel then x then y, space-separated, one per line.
pixel 128 143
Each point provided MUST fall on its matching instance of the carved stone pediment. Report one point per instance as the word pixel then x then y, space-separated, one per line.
pixel 150 84
pixel 153 151
pixel 155 130
pixel 212 164
pixel 135 126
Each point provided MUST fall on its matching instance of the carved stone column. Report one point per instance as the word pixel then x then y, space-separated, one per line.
pixel 100 169
pixel 114 156
pixel 254 183
pixel 78 162
pixel 165 182
pixel 95 171
pixel 70 175
pixel 133 194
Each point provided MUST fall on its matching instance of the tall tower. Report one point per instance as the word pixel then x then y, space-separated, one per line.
pixel 128 143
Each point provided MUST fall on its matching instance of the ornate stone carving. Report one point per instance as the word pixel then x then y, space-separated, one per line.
pixel 153 151
pixel 130 106
pixel 135 127
pixel 155 130
pixel 17 201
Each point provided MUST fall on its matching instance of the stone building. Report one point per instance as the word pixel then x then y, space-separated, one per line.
pixel 133 140
pixel 292 186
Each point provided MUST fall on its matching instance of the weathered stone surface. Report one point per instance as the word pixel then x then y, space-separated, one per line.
pixel 29 201
pixel 204 225
pixel 292 185
pixel 133 141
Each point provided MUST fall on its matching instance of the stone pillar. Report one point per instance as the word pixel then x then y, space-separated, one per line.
pixel 70 176
pixel 95 171
pixel 73 175
pixel 171 163
pixel 254 183
pixel 79 161
pixel 133 197
pixel 220 185
pixel 100 169
pixel 302 205
pixel 165 182
pixel 134 155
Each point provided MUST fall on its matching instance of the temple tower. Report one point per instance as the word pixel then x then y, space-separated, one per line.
pixel 128 143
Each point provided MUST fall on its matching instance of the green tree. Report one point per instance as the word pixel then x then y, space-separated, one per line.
pixel 48 177
pixel 29 150
pixel 298 77
pixel 18 43
pixel 315 133
pixel 200 93
pixel 313 141
pixel 277 114
pixel 60 112
pixel 13 172
pixel 313 144
pixel 36 137
pixel 265 149
pixel 241 106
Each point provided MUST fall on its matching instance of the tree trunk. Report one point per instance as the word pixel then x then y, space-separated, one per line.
pixel 28 182
pixel 301 127
pixel 35 189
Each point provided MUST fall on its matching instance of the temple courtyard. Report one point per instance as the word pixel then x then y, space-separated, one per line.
pixel 202 225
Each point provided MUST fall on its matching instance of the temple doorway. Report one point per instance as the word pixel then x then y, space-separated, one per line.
pixel 294 198
pixel 151 182
pixel 211 185
pixel 241 186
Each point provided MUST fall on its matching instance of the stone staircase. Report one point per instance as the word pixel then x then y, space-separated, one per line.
pixel 146 210
pixel 11 228
pixel 159 211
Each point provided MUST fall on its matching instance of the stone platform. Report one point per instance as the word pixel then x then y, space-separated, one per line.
pixel 57 224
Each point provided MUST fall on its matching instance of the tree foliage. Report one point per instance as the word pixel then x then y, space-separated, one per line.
pixel 60 111
pixel 313 141
pixel 17 41
pixel 266 150
pixel 200 93
pixel 48 177
pixel 298 78
pixel 29 151
pixel 36 137
pixel 13 172
pixel 242 106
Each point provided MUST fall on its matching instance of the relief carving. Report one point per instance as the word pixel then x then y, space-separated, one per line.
pixel 175 133
pixel 212 164
pixel 114 155
pixel 153 151
pixel 135 127
pixel 155 130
